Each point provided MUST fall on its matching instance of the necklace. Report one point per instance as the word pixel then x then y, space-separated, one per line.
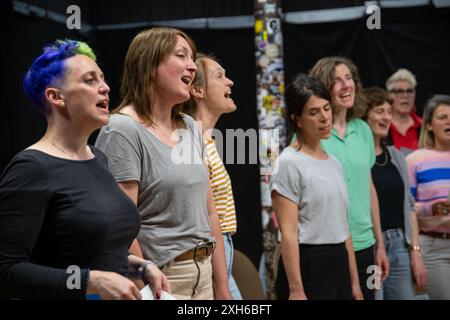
pixel 65 152
pixel 385 160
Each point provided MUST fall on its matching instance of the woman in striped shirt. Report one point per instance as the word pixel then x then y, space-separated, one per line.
pixel 210 98
pixel 429 174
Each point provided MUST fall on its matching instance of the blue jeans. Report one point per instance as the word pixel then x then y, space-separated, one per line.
pixel 228 244
pixel 399 285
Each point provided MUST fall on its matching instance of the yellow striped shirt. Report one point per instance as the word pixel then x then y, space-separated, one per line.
pixel 221 188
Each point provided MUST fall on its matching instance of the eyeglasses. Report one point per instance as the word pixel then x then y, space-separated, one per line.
pixel 399 92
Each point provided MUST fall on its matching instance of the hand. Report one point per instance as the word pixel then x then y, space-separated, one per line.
pixel 356 292
pixel 382 262
pixel 112 286
pixel 156 280
pixel 441 208
pixel 419 271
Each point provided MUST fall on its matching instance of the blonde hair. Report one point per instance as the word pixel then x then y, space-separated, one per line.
pixel 146 52
pixel 401 75
pixel 325 70
pixel 426 138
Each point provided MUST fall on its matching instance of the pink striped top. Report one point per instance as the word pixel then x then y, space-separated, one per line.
pixel 429 176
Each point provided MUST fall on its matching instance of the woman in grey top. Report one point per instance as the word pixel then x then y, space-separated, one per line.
pixel 155 153
pixel 311 203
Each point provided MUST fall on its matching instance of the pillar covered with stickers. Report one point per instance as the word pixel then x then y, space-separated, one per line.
pixel 271 120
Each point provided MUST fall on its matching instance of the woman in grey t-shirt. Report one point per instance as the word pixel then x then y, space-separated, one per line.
pixel 155 153
pixel 311 203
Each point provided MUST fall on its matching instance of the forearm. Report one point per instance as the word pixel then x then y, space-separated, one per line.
pixel 415 230
pixel 429 223
pixel 219 267
pixel 25 280
pixel 354 278
pixel 135 262
pixel 135 249
pixel 291 260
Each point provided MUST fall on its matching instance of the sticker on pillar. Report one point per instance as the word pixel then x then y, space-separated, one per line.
pixel 264 61
pixel 277 64
pixel 270 8
pixel 272 50
pixel 266 200
pixel 267 102
pixel 264 36
pixel 261 44
pixel 278 38
pixel 272 25
pixel 258 26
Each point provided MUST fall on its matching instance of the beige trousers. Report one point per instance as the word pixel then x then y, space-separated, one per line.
pixel 190 279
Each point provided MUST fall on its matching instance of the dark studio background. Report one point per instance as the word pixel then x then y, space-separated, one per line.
pixel 417 38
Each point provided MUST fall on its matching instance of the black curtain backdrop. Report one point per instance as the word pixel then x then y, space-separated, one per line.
pixel 415 38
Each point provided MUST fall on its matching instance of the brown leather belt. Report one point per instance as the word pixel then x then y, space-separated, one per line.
pixel 440 235
pixel 200 252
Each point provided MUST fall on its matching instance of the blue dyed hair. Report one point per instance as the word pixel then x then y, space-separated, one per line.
pixel 50 67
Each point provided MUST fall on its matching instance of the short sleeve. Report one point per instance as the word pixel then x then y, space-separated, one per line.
pixel 196 133
pixel 124 158
pixel 286 180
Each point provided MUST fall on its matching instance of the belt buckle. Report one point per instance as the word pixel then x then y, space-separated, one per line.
pixel 444 236
pixel 199 246
pixel 208 246
pixel 211 248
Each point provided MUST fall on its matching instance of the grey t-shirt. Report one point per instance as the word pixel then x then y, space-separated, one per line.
pixel 172 198
pixel 318 187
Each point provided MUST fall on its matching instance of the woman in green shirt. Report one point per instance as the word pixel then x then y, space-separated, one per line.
pixel 351 142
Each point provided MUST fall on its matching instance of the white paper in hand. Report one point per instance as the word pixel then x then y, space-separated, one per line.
pixel 147 294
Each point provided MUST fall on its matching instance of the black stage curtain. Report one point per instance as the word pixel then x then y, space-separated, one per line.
pixel 8 116
pixel 415 38
pixel 24 38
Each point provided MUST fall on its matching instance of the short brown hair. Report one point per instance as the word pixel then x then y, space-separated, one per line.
pixel 375 97
pixel 146 52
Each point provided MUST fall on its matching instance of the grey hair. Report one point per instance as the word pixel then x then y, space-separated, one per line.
pixel 401 75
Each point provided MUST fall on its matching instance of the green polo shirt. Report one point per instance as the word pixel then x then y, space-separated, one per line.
pixel 357 155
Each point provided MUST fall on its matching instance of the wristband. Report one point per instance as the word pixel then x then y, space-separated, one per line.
pixel 142 268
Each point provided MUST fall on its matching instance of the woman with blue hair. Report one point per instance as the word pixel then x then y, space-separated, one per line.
pixel 65 225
